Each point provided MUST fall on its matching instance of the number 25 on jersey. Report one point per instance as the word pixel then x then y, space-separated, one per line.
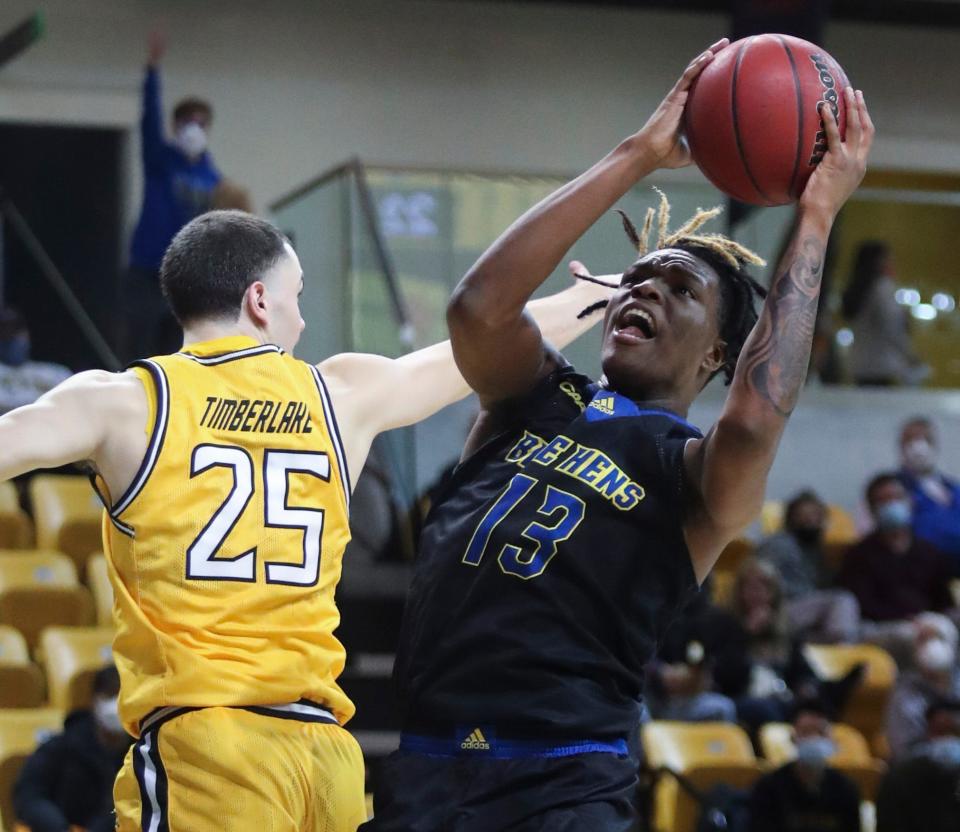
pixel 204 558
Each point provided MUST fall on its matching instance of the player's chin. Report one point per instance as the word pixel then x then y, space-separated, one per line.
pixel 627 369
pixel 626 348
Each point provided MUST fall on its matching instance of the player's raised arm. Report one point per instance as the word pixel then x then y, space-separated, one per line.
pixel 728 469
pixel 71 423
pixel 498 348
pixel 421 383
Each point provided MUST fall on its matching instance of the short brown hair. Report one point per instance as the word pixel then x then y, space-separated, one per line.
pixel 187 107
pixel 212 261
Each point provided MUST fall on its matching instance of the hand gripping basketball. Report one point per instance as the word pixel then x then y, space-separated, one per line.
pixel 662 132
pixel 845 162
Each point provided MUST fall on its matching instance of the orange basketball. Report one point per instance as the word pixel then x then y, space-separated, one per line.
pixel 752 119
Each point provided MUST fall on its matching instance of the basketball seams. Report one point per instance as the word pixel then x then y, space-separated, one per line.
pixel 736 121
pixel 799 97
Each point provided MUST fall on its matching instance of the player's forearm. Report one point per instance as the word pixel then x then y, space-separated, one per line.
pixel 773 365
pixel 556 315
pixel 499 284
pixel 431 379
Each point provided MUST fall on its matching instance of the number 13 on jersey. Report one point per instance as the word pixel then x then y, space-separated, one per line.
pixel 565 509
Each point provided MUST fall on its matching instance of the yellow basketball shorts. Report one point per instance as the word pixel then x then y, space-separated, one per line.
pixel 259 769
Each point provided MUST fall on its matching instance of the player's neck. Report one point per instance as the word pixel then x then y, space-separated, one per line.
pixel 202 331
pixel 675 404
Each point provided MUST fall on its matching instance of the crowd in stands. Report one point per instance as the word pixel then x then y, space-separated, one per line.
pixel 743 655
pixel 740 653
pixel 67 783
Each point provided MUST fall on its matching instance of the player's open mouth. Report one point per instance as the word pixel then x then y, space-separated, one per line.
pixel 635 325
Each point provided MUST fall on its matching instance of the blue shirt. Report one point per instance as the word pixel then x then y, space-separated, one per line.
pixel 175 189
pixel 934 522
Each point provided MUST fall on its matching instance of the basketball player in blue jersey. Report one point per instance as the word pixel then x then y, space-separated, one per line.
pixel 226 470
pixel 584 514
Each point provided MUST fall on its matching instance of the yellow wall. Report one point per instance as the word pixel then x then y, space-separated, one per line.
pixel 925 240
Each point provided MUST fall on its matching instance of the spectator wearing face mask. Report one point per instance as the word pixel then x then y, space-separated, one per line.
pixel 942 740
pixel 68 781
pixel 936 497
pixel 935 677
pixel 22 381
pixel 179 183
pixel 894 575
pixel 806 795
pixel 815 611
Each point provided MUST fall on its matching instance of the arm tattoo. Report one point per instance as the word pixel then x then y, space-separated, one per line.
pixel 778 353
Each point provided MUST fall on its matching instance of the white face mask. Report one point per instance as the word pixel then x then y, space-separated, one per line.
pixel 191 139
pixel 814 752
pixel 919 456
pixel 107 714
pixel 936 655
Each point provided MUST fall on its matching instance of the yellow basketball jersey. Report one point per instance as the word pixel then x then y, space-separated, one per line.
pixel 226 549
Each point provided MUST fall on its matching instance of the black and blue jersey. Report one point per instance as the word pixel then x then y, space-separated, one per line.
pixel 549 568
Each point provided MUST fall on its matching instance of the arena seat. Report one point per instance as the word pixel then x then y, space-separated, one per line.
pixel 866 708
pixel 21 731
pixel 68 516
pixel 16 527
pixel 71 657
pixel 840 529
pixel 21 682
pixel 40 589
pixel 705 753
pixel 734 553
pixel 852 757
pixel 771 517
pixel 721 588
pixel 99 583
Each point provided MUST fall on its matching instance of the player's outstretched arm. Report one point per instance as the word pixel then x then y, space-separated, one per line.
pixel 63 426
pixel 498 348
pixel 372 393
pixel 728 469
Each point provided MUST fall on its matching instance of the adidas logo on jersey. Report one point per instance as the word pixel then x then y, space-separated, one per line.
pixel 604 405
pixel 475 742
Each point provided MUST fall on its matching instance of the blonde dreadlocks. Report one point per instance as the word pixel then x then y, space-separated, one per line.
pixel 738 291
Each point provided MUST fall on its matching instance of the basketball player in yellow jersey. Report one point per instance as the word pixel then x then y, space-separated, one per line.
pixel 226 470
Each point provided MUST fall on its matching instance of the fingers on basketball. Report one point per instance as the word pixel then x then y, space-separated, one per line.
pixel 834 144
pixel 866 122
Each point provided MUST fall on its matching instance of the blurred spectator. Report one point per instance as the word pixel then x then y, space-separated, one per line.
pixel 942 740
pixel 806 795
pixel 68 781
pixel 749 653
pixel 680 682
pixel 22 381
pixel 936 676
pixel 814 611
pixel 881 353
pixel 930 772
pixel 179 181
pixel 894 575
pixel 229 196
pixel 936 498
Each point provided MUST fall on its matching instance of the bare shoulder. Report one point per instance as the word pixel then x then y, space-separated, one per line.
pixel 105 390
pixel 352 369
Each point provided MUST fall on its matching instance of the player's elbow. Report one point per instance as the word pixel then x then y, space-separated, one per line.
pixel 750 430
pixel 477 308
